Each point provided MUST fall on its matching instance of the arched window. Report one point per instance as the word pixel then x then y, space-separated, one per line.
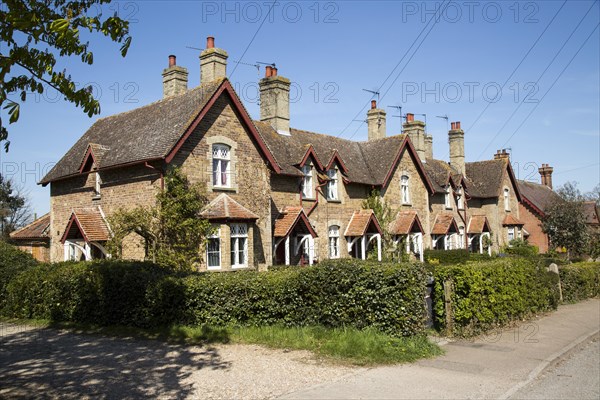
pixel 404 189
pixel 307 185
pixel 506 199
pixel 221 158
pixel 332 184
pixel 334 241
pixel 239 245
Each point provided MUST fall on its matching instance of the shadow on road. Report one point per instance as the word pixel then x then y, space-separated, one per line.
pixel 49 362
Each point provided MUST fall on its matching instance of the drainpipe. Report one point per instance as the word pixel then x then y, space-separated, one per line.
pixel 316 198
pixel 161 173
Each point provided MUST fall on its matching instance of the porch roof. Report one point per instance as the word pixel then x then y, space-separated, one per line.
pixel 444 222
pixel 511 220
pixel 406 222
pixel 224 207
pixel 38 229
pixel 478 224
pixel 86 223
pixel 290 219
pixel 360 222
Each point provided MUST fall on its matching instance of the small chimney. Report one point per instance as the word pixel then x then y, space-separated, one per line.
pixel 275 101
pixel 213 62
pixel 456 140
pixel 428 147
pixel 175 79
pixel 376 122
pixel 416 132
pixel 501 155
pixel 546 174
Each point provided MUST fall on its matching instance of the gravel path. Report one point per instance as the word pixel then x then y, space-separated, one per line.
pixel 52 363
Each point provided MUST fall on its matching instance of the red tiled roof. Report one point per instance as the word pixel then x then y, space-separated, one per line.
pixel 38 229
pixel 360 223
pixel 511 220
pixel 590 210
pixel 478 224
pixel 406 222
pixel 225 208
pixel 87 223
pixel 290 219
pixel 443 223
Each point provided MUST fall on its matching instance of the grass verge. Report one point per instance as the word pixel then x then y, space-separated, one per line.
pixel 345 345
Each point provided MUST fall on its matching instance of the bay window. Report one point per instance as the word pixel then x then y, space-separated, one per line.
pixel 239 245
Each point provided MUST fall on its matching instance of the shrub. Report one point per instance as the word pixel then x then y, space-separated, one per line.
pixel 494 293
pixel 446 257
pixel 520 247
pixel 580 281
pixel 12 262
pixel 386 297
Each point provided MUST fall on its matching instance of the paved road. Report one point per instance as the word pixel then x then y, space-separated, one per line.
pixel 574 376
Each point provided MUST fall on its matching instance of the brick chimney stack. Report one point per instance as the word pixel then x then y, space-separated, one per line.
pixel 428 147
pixel 213 62
pixel 416 132
pixel 456 140
pixel 501 155
pixel 376 122
pixel 275 101
pixel 175 79
pixel 546 174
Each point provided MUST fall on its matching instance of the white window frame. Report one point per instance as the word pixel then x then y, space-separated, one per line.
pixel 307 182
pixel 447 202
pixel 97 184
pixel 511 232
pixel 332 184
pixel 405 189
pixel 460 201
pixel 215 236
pixel 221 165
pixel 506 199
pixel 334 241
pixel 239 244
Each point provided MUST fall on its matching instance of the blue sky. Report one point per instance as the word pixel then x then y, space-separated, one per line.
pixel 463 66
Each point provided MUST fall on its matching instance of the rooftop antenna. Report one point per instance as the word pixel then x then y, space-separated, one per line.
pixel 445 116
pixel 193 48
pixel 265 63
pixel 399 108
pixel 373 92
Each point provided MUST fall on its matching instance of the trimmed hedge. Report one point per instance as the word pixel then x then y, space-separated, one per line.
pixel 12 262
pixel 580 281
pixel 494 293
pixel 388 297
pixel 445 257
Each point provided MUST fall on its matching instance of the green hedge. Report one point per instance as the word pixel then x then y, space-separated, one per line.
pixel 457 256
pixel 494 293
pixel 12 262
pixel 352 293
pixel 580 281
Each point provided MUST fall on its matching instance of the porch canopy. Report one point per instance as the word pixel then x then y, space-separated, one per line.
pixel 85 234
pixel 224 208
pixel 444 231
pixel 361 231
pixel 293 237
pixel 408 225
pixel 478 229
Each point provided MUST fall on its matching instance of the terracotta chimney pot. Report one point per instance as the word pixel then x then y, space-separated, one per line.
pixel 268 71
pixel 410 117
pixel 373 104
pixel 172 61
pixel 210 42
pixel 453 126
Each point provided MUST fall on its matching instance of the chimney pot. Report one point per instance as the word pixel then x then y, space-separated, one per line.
pixel 410 117
pixel 268 71
pixel 210 42
pixel 457 124
pixel 453 125
pixel 273 71
pixel 373 104
pixel 172 61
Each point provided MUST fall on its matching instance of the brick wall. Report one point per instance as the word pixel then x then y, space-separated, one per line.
pixel 533 225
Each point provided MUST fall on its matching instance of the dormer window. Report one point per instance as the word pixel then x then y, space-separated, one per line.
pixel 332 184
pixel 404 189
pixel 506 199
pixel 447 201
pixel 221 155
pixel 307 182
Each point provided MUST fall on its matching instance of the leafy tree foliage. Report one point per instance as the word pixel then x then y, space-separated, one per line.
pixel 14 208
pixel 385 215
pixel 565 221
pixel 33 34
pixel 172 230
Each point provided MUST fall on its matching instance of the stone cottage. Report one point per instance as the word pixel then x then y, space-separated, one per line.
pixel 277 195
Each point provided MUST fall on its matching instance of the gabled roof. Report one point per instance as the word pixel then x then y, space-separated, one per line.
pixel 310 153
pixel 336 158
pixel 478 224
pixel 444 222
pixel 290 218
pixel 38 229
pixel 485 178
pixel 591 212
pixel 537 196
pixel 442 174
pixel 224 207
pixel 152 132
pixel 360 222
pixel 86 223
pixel 405 223
pixel 93 157
pixel 511 220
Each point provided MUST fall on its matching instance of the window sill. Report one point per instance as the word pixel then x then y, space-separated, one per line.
pixel 407 204
pixel 309 199
pixel 224 189
pixel 236 267
pixel 213 268
pixel 96 197
pixel 334 201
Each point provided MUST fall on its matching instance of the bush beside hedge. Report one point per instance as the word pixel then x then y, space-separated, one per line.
pixel 388 297
pixel 494 293
pixel 580 281
pixel 12 262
